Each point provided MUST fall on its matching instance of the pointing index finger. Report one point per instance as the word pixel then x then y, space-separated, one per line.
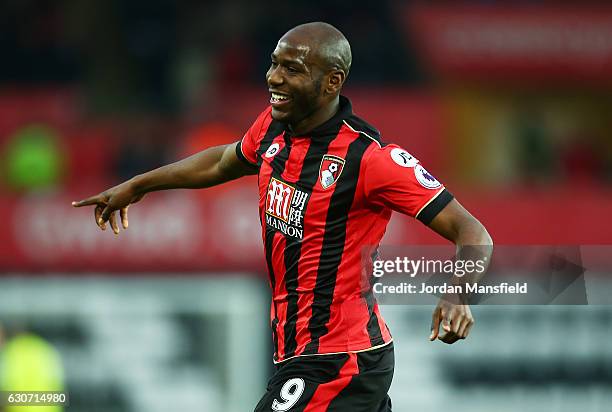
pixel 94 200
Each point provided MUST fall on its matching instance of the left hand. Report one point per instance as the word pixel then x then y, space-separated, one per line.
pixel 457 320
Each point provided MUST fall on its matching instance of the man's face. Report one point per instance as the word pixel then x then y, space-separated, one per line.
pixel 294 80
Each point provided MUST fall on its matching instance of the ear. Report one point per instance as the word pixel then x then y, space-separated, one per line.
pixel 335 81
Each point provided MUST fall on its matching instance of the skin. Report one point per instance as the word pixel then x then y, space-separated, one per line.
pixel 309 65
pixel 473 241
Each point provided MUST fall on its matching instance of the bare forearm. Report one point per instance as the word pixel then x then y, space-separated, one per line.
pixel 474 244
pixel 464 230
pixel 208 168
pixel 474 248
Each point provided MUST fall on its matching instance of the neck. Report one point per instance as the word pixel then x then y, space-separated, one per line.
pixel 317 118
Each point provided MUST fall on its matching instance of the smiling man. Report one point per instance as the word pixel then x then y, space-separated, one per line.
pixel 328 185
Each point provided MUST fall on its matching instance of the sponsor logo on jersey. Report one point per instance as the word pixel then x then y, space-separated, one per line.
pixel 403 158
pixel 272 150
pixel 330 170
pixel 425 178
pixel 285 208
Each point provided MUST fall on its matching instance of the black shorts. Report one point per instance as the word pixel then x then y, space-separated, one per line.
pixel 353 382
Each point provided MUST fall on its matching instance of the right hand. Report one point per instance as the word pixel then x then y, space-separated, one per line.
pixel 456 320
pixel 108 202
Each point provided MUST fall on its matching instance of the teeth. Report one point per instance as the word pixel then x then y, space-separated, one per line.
pixel 276 96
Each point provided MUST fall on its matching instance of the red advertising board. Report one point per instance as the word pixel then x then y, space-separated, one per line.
pixel 218 229
pixel 513 41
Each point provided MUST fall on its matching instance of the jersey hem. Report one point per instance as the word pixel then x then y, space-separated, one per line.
pixel 382 345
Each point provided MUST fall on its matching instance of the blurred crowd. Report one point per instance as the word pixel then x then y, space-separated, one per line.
pixel 159 53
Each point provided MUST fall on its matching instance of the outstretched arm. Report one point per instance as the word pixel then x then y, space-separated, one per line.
pixel 474 243
pixel 207 168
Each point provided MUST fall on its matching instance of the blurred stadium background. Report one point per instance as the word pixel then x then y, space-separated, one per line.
pixel 508 103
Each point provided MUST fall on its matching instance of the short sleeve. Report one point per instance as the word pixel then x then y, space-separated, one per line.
pixel 395 179
pixel 247 147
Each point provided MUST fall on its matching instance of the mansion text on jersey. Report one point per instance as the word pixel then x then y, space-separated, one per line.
pixel 285 228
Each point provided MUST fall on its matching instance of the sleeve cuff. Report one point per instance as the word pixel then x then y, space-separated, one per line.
pixel 435 206
pixel 242 157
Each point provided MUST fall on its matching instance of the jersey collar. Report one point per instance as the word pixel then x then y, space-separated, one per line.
pixel 331 126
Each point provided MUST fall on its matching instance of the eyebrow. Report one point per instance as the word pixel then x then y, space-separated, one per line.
pixel 288 61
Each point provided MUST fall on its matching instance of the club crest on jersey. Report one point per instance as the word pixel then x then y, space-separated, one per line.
pixel 425 178
pixel 330 170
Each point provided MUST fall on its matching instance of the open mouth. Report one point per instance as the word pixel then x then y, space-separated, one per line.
pixel 278 99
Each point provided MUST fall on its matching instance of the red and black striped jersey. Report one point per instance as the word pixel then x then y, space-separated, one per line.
pixel 324 200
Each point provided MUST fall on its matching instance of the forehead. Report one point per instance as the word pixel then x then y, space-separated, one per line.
pixel 296 48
